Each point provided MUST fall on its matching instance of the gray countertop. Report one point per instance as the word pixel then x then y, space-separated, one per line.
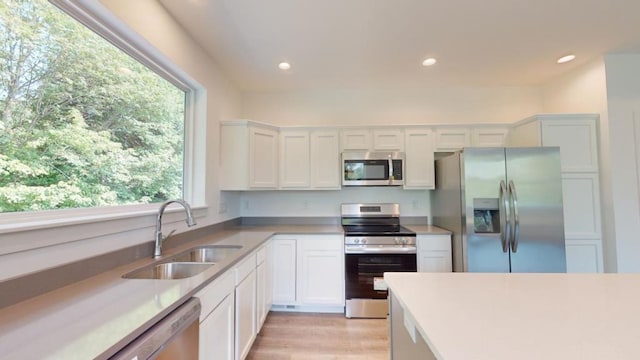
pixel 96 317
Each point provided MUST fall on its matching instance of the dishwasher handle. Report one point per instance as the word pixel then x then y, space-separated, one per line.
pixel 154 340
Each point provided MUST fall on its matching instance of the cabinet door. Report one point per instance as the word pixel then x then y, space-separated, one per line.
pixel 577 141
pixel 321 270
pixel 261 296
pixel 217 332
pixel 452 139
pixel 388 140
pixel 355 139
pixel 325 160
pixel 245 315
pixel 284 271
pixel 434 253
pixel 419 169
pixel 263 158
pixel 584 256
pixel 294 159
pixel 489 137
pixel 581 205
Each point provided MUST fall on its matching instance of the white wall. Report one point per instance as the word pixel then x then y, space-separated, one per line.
pixel 623 93
pixel 584 90
pixel 392 106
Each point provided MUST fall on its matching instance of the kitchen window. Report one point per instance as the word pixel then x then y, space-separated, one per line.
pixel 95 124
pixel 83 124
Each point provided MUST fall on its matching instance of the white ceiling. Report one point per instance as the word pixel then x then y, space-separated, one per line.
pixel 381 43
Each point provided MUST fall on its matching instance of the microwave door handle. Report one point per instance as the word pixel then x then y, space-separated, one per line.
pixel 390 170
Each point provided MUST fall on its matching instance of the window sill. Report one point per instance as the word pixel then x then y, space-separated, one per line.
pixel 22 232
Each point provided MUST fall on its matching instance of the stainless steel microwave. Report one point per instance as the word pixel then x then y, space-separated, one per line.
pixel 373 168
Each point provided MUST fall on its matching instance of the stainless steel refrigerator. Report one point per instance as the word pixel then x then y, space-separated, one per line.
pixel 504 207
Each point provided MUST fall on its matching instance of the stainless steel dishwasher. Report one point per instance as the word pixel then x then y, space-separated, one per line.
pixel 174 337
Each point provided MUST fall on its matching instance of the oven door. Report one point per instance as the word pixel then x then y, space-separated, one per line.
pixel 364 273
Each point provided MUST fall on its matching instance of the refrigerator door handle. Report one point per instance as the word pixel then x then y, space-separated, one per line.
pixel 516 218
pixel 505 226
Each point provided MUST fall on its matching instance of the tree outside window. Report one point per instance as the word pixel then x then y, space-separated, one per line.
pixel 82 124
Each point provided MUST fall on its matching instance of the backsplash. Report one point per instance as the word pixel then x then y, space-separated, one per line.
pixel 327 203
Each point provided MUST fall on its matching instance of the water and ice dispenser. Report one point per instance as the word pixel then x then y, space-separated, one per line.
pixel 486 216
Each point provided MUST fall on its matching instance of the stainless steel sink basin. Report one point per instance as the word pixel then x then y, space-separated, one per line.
pixel 168 271
pixel 207 254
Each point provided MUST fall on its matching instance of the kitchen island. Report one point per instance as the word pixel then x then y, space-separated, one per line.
pixel 456 316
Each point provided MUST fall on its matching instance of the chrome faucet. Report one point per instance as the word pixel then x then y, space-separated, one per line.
pixel 157 252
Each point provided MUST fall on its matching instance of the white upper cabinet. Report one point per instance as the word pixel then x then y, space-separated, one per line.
pixel 388 140
pixel 452 138
pixel 575 134
pixel 355 139
pixel 263 158
pixel 419 166
pixel 577 139
pixel 372 139
pixel 309 159
pixel 489 136
pixel 294 159
pixel 248 156
pixel 325 159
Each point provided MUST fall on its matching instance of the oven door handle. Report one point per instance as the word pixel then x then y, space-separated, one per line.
pixel 358 249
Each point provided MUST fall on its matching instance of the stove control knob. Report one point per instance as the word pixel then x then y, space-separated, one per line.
pixel 363 241
pixel 404 241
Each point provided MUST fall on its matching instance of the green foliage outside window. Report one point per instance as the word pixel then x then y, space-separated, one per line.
pixel 82 124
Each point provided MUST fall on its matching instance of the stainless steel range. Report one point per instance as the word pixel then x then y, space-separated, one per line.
pixel 374 243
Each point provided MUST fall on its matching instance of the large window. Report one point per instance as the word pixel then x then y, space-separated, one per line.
pixel 82 124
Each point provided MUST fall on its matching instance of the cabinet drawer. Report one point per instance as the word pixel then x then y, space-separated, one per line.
pixel 245 268
pixel 434 243
pixel 323 243
pixel 213 294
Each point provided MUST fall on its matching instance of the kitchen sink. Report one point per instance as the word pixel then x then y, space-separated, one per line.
pixel 168 271
pixel 207 254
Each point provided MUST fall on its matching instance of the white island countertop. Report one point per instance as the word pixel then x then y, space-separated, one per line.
pixel 523 316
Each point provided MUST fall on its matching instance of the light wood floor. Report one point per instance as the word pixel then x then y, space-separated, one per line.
pixel 298 336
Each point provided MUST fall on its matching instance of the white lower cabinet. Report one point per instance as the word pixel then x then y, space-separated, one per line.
pixel 263 285
pixel 245 315
pixel 217 321
pixel 246 306
pixel 434 253
pixel 284 270
pixel 217 332
pixel 321 269
pixel 234 307
pixel 308 272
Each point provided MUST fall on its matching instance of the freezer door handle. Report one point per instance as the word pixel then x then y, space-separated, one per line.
pixel 513 195
pixel 505 219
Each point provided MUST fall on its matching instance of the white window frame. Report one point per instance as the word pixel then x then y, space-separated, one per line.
pixel 24 231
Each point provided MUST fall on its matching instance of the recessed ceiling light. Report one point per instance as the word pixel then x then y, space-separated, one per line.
pixel 284 66
pixel 566 59
pixel 429 62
